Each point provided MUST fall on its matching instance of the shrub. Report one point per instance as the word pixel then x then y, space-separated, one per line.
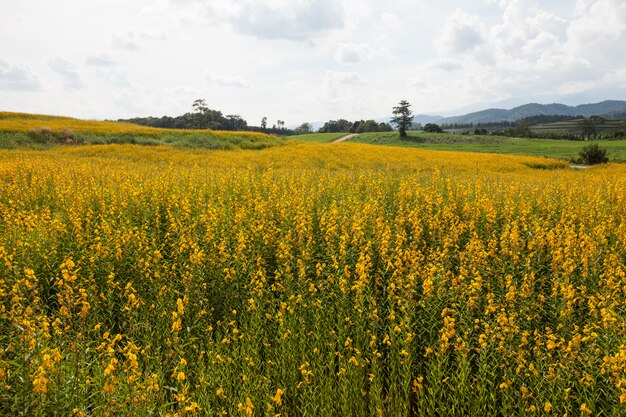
pixel 40 135
pixel 67 136
pixel 432 128
pixel 46 135
pixel 593 154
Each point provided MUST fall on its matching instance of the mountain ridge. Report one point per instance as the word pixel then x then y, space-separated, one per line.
pixel 603 108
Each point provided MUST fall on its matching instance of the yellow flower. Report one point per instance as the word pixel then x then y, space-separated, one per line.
pixel 108 388
pixel 249 407
pixel 278 397
pixel 585 409
pixel 193 407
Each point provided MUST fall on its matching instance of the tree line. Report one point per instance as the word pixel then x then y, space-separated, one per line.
pixel 531 121
pixel 359 126
pixel 202 117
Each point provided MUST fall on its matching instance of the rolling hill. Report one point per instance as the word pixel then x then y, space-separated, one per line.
pixel 613 109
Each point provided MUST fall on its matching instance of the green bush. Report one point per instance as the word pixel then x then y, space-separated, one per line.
pixel 593 154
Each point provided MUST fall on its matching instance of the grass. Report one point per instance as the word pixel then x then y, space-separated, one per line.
pixel 318 137
pixel 551 148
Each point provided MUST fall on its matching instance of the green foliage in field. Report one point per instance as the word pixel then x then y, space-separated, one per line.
pixel 592 154
pixel 552 148
pixel 317 137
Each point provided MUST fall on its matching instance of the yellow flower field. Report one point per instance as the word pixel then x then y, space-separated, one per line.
pixel 25 122
pixel 343 279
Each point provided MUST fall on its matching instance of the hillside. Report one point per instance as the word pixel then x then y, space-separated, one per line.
pixel 609 109
pixel 36 130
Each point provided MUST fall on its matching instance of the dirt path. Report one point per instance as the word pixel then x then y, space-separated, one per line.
pixel 345 138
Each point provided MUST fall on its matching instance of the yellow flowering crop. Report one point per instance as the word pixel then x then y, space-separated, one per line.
pixel 360 280
pixel 24 122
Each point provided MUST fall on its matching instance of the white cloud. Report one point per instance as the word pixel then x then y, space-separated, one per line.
pixel 340 89
pixel 351 53
pixel 446 64
pixel 336 78
pixel 133 41
pixel 461 33
pixel 67 70
pixel 118 78
pixel 229 81
pixel 126 41
pixel 17 78
pixel 349 58
pixel 100 61
pixel 598 19
pixel 297 20
pixel 529 51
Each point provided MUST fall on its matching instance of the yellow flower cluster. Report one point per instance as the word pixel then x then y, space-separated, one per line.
pixel 309 280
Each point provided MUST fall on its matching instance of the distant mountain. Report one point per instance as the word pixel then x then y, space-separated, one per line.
pixel 424 118
pixel 417 118
pixel 605 108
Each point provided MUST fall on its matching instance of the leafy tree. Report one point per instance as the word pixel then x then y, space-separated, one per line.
pixel 235 122
pixel 403 117
pixel 264 122
pixel 335 126
pixel 200 106
pixel 303 129
pixel 362 126
pixel 432 128
pixel 521 129
pixel 589 127
pixel 384 127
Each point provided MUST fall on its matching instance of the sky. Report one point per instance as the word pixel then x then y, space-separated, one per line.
pixel 306 60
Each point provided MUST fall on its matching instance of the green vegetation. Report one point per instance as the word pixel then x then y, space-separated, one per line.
pixel 46 139
pixel 573 127
pixel 566 149
pixel 318 137
pixel 359 126
pixel 593 154
pixel 402 117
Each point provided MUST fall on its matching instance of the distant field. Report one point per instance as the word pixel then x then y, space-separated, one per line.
pixel 565 149
pixel 318 137
pixel 571 127
pixel 18 130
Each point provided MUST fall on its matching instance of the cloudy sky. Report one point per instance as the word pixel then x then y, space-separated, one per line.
pixel 306 60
